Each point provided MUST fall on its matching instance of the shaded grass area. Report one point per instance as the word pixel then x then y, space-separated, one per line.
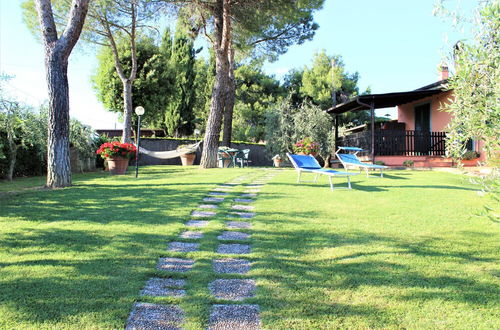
pixel 404 251
pixel 78 257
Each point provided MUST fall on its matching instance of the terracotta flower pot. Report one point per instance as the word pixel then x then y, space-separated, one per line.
pixel 117 165
pixel 188 159
pixel 470 162
pixel 314 154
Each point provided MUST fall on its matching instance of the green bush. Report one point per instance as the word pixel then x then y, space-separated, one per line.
pixel 408 163
pixel 470 155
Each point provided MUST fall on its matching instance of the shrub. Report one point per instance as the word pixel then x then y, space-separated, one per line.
pixel 378 162
pixel 408 163
pixel 306 146
pixel 470 155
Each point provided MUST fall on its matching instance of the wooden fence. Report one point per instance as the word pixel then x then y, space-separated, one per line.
pixel 257 155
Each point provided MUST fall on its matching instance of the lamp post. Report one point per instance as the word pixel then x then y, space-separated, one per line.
pixel 139 111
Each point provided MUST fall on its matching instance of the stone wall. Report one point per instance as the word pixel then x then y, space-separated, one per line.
pixel 81 164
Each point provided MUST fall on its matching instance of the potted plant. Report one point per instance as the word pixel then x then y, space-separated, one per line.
pixel 117 155
pixel 188 154
pixel 277 161
pixel 470 158
pixel 306 146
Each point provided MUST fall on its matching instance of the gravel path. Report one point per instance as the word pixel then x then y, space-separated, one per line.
pixel 154 316
pixel 233 236
pixel 242 207
pixel 207 206
pixel 232 289
pixel 231 266
pixel 164 287
pixel 234 249
pixel 232 317
pixel 238 225
pixel 202 214
pixel 197 223
pixel 213 199
pixel 177 265
pixel 191 234
pixel 183 247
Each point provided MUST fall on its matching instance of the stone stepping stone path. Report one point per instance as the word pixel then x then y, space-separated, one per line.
pixel 231 266
pixel 244 200
pixel 213 199
pixel 238 225
pixel 234 248
pixel 232 289
pixel 197 223
pixel 252 191
pixel 164 287
pixel 218 193
pixel 191 234
pixel 207 206
pixel 233 236
pixel 177 265
pixel 183 247
pixel 224 189
pixel 234 316
pixel 203 214
pixel 242 207
pixel 155 316
pixel 244 215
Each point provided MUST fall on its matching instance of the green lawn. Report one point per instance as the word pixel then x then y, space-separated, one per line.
pixel 406 251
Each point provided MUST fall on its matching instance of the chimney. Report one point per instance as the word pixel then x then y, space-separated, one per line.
pixel 443 71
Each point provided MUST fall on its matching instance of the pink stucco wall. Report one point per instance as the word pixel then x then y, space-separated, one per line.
pixel 439 118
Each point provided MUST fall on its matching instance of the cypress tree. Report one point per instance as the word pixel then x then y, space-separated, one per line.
pixel 179 115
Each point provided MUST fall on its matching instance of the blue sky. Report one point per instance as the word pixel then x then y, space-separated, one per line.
pixel 395 45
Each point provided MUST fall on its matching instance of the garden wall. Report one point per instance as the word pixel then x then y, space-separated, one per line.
pixel 257 156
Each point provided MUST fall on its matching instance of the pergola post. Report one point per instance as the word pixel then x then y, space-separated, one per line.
pixel 372 119
pixel 336 132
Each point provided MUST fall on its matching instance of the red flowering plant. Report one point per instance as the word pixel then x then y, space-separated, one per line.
pixel 306 146
pixel 116 149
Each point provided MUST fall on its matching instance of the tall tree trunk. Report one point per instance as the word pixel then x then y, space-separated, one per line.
pixel 58 159
pixel 127 110
pixel 214 122
pixel 12 161
pixel 222 33
pixel 57 51
pixel 230 99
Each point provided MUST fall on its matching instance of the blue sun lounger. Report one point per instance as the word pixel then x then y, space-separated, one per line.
pixel 307 163
pixel 351 160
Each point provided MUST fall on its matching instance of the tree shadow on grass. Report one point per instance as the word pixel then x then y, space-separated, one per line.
pixel 104 203
pixel 59 272
pixel 102 282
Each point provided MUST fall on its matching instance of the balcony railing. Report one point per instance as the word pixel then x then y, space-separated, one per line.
pixel 398 142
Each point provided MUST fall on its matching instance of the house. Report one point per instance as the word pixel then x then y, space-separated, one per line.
pixel 418 134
